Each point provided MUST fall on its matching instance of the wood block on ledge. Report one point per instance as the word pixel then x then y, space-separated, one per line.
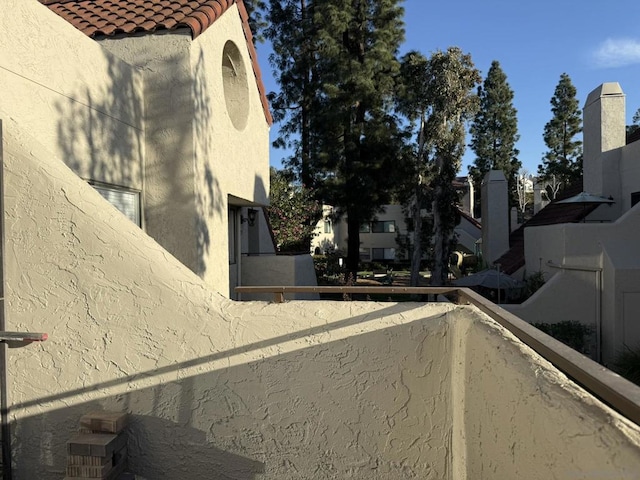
pixel 103 422
pixel 96 444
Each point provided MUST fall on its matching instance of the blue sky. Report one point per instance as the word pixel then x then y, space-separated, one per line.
pixel 535 42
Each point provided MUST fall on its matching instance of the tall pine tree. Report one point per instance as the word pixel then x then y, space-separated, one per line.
pixel 294 38
pixel 494 132
pixel 360 138
pixel 563 161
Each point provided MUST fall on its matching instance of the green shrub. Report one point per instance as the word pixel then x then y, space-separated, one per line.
pixel 574 334
pixel 627 365
pixel 327 267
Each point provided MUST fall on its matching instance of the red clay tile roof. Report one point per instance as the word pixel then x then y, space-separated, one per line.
pixel 111 17
pixel 105 18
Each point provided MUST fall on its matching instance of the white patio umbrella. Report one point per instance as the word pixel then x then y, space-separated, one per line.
pixel 585 198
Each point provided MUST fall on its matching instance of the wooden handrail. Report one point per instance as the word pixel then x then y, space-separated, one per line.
pixel 620 394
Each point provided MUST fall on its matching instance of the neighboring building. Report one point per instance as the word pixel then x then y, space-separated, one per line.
pixel 592 268
pixel 160 106
pixel 386 238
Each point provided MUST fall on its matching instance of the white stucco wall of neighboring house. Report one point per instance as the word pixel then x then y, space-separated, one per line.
pixel 217 388
pixel 468 234
pixel 595 266
pixel 629 174
pixel 83 103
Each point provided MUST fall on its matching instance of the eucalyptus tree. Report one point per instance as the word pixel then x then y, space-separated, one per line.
pixel 563 161
pixel 494 131
pixel 438 97
pixel 414 103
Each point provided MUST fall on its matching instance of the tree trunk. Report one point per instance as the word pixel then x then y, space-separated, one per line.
pixel 416 256
pixel 439 267
pixel 353 247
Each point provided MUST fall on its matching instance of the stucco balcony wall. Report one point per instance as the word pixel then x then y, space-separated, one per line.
pixel 254 390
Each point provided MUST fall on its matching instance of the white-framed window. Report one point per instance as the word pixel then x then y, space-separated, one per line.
pixel 124 199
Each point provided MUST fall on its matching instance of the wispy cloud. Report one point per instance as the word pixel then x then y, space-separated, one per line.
pixel 618 52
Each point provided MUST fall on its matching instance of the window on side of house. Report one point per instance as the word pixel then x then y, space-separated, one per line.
pixel 365 228
pixel 386 226
pixel 383 253
pixel 124 199
pixel 327 226
pixel 365 254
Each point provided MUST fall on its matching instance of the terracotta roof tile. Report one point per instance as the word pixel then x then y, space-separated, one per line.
pixel 99 18
pixel 105 17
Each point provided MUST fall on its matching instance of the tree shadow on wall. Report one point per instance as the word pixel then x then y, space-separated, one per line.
pixel 101 138
pixel 100 132
pixel 209 199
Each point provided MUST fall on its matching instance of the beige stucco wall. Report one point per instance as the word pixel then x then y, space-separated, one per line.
pixel 600 264
pixel 281 270
pixel 256 390
pixel 523 419
pixel 251 390
pixel 231 162
pixel 84 104
pixel 147 113
pixel 199 163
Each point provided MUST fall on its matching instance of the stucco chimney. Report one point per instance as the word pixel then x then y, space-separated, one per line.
pixel 495 216
pixel 604 130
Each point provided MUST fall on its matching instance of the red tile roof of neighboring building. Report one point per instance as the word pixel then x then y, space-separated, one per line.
pixel 554 213
pixel 107 18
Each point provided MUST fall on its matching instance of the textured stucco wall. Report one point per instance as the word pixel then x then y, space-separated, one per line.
pixel 232 163
pixel 524 419
pixel 171 204
pixel 576 295
pixel 256 390
pixel 199 163
pixel 84 104
pixel 252 390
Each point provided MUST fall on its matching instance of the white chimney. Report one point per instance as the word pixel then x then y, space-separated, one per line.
pixel 495 216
